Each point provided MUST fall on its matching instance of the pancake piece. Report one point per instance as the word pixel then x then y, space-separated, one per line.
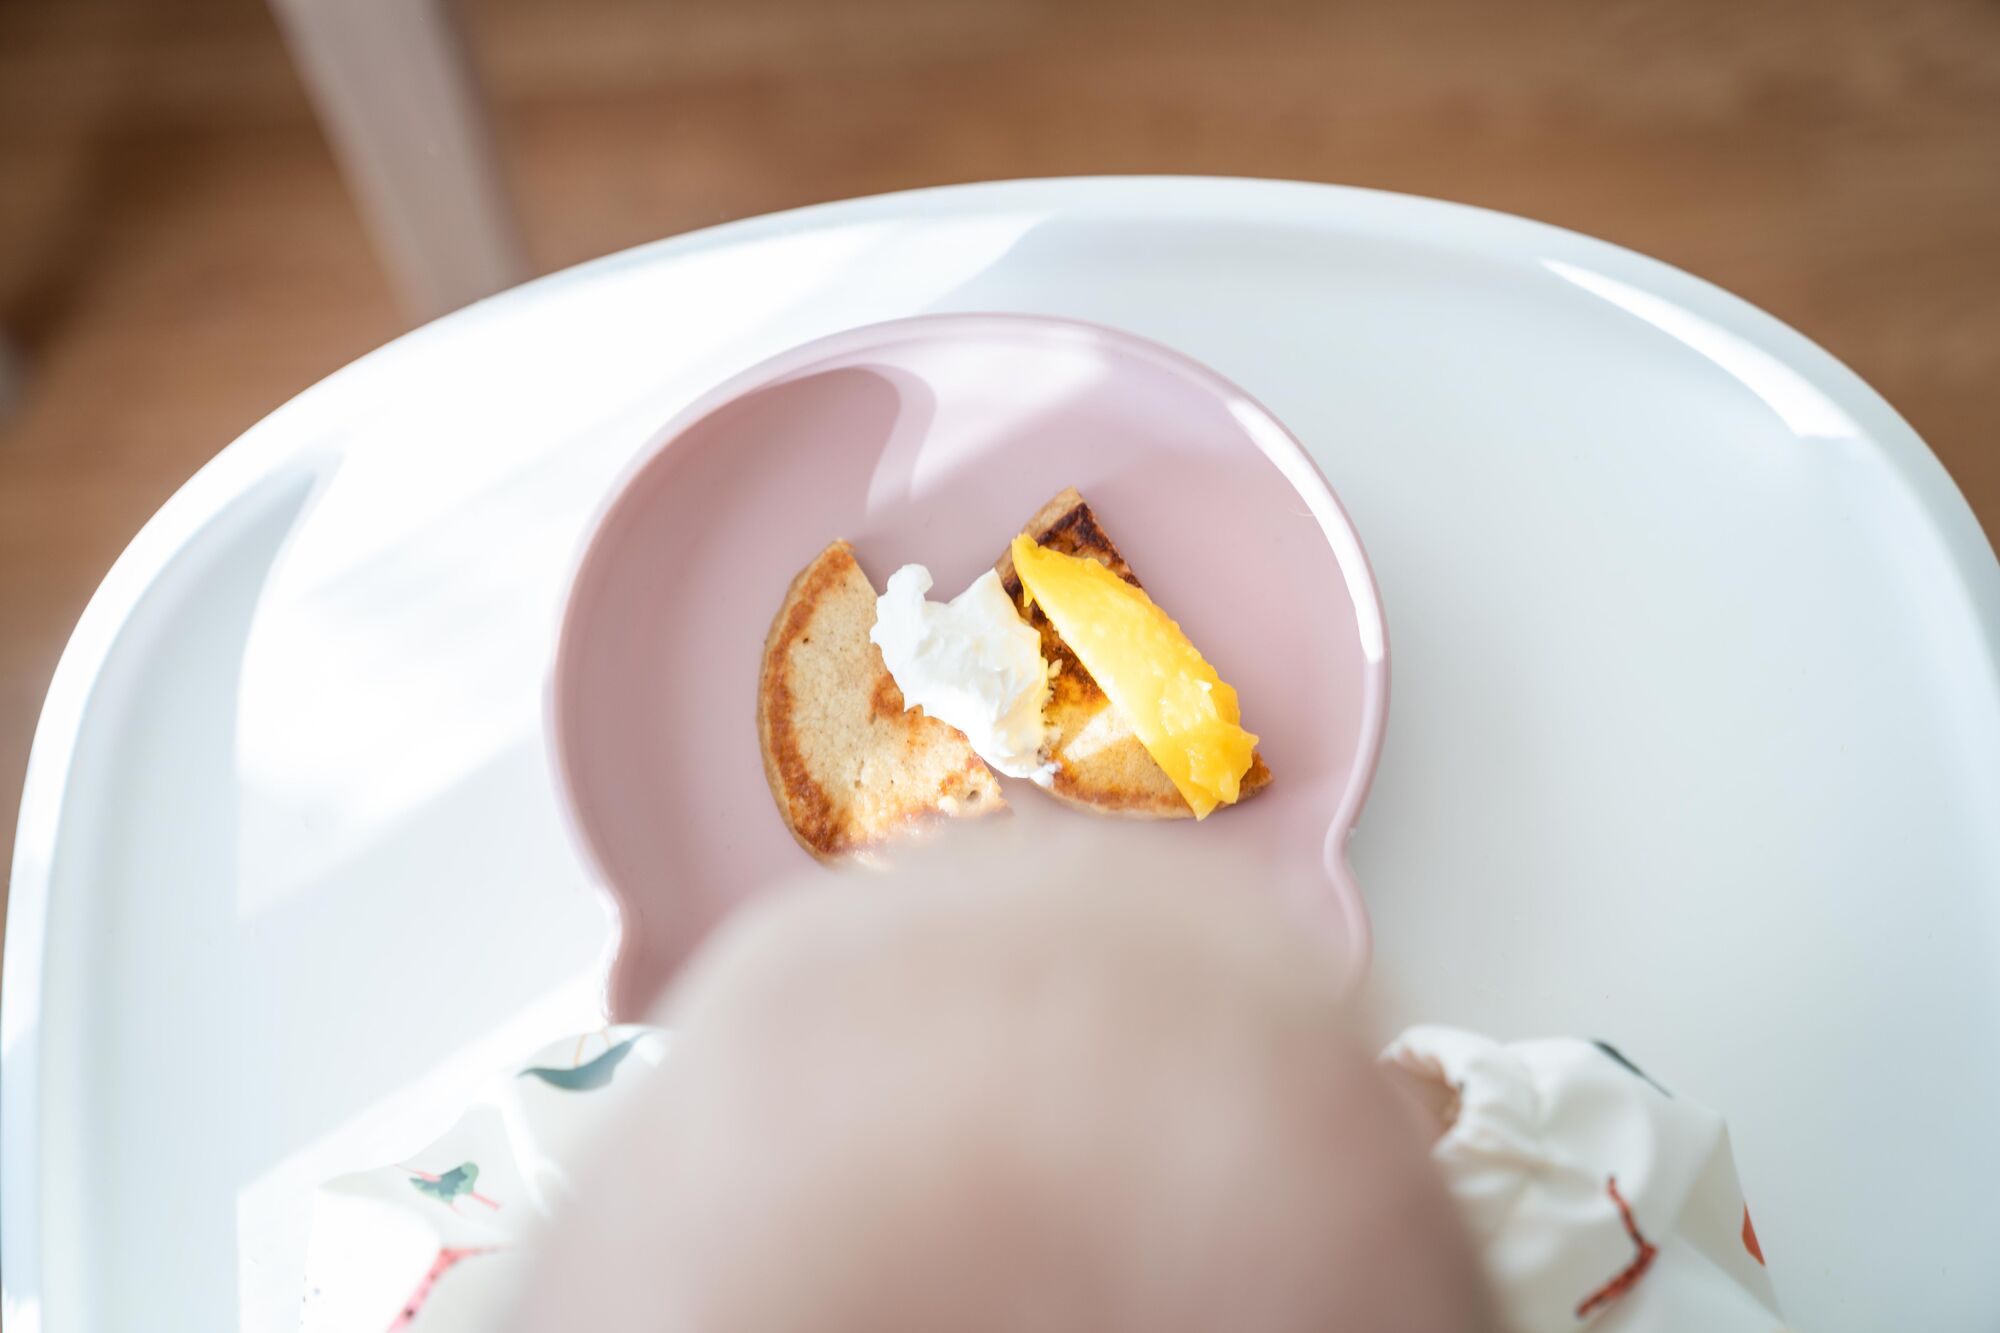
pixel 848 767
pixel 1101 765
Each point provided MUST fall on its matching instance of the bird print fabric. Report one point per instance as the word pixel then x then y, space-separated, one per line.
pixel 1597 1199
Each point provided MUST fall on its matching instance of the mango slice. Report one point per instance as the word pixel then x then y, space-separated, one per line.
pixel 1176 704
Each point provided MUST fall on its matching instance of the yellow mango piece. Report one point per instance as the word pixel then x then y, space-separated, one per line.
pixel 1176 704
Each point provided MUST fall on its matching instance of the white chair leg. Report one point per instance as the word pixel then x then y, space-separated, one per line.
pixel 394 86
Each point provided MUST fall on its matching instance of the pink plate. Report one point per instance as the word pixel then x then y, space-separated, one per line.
pixel 932 440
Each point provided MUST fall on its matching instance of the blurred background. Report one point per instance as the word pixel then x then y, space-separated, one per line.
pixel 183 246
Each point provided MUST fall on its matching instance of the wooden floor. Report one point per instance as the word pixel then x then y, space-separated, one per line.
pixel 178 256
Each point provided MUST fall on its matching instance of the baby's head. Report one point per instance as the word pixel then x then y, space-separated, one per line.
pixel 1074 1105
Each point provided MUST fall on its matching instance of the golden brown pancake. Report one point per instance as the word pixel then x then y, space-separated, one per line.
pixel 1102 767
pixel 849 768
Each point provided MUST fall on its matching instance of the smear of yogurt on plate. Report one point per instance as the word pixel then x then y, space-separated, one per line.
pixel 972 663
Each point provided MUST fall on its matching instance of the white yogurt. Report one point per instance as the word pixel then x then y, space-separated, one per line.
pixel 972 663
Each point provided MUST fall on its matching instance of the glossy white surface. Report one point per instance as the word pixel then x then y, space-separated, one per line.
pixel 1695 743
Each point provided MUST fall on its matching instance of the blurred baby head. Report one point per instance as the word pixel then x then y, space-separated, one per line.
pixel 964 1096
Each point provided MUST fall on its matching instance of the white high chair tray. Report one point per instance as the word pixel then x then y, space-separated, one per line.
pixel 1694 742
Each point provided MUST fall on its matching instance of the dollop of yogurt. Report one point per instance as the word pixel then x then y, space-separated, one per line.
pixel 972 663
